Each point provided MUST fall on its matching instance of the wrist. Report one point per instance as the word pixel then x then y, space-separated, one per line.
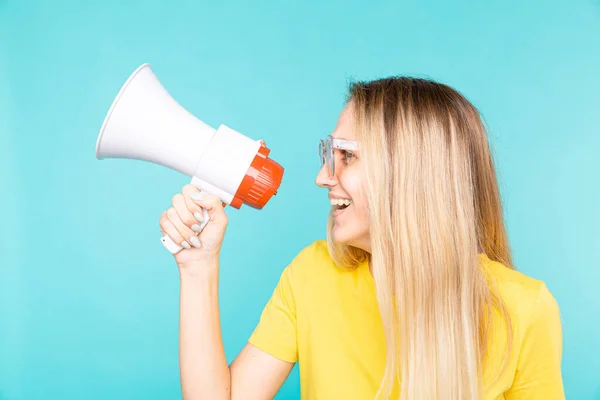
pixel 204 268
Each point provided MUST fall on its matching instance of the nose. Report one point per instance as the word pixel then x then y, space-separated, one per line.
pixel 324 180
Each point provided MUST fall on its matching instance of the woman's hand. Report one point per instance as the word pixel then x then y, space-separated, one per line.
pixel 181 223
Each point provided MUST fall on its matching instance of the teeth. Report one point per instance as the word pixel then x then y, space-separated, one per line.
pixel 340 202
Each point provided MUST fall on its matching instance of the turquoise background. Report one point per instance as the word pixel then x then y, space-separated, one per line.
pixel 88 295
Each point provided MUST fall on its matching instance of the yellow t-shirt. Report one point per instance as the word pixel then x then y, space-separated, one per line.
pixel 327 319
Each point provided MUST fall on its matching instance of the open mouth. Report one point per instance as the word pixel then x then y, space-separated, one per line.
pixel 338 205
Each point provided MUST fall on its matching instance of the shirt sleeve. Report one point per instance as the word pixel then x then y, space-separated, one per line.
pixel 275 333
pixel 538 374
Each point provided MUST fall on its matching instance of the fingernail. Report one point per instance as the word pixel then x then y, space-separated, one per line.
pixel 197 196
pixel 196 228
pixel 186 245
pixel 199 216
pixel 195 241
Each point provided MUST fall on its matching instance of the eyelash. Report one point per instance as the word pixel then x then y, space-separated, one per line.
pixel 347 154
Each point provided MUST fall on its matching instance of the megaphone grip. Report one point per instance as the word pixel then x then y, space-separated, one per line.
pixel 173 247
pixel 170 245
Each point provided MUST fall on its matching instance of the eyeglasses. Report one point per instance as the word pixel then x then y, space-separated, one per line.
pixel 327 147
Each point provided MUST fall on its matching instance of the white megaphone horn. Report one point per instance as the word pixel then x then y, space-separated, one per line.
pixel 145 123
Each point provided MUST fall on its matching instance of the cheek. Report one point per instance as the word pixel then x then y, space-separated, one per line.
pixel 361 215
pixel 354 186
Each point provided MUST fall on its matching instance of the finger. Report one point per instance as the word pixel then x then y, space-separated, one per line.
pixel 194 208
pixel 213 205
pixel 185 215
pixel 167 228
pixel 163 217
pixel 190 189
pixel 210 202
pixel 183 229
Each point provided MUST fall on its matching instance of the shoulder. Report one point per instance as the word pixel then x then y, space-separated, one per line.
pixel 312 263
pixel 312 257
pixel 509 282
pixel 528 300
pixel 315 252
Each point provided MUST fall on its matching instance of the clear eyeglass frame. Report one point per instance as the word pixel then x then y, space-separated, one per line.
pixel 327 148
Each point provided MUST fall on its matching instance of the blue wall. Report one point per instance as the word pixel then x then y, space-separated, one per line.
pixel 88 295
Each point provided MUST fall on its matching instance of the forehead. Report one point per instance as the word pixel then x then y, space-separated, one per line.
pixel 344 128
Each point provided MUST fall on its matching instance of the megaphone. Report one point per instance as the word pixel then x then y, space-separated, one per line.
pixel 145 123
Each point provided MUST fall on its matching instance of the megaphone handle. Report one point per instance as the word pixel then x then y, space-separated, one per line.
pixel 173 247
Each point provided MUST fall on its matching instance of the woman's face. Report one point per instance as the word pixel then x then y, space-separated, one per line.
pixel 350 224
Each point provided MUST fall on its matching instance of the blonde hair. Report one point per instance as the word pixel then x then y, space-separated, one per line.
pixel 434 206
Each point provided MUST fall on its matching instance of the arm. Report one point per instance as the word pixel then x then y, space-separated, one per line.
pixel 202 363
pixel 254 374
pixel 203 366
pixel 538 374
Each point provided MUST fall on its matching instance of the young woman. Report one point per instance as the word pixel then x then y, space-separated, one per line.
pixel 412 296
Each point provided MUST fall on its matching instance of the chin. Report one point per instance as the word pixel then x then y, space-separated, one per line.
pixel 339 236
pixel 344 237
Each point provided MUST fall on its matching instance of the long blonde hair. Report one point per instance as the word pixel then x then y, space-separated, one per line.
pixel 434 207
